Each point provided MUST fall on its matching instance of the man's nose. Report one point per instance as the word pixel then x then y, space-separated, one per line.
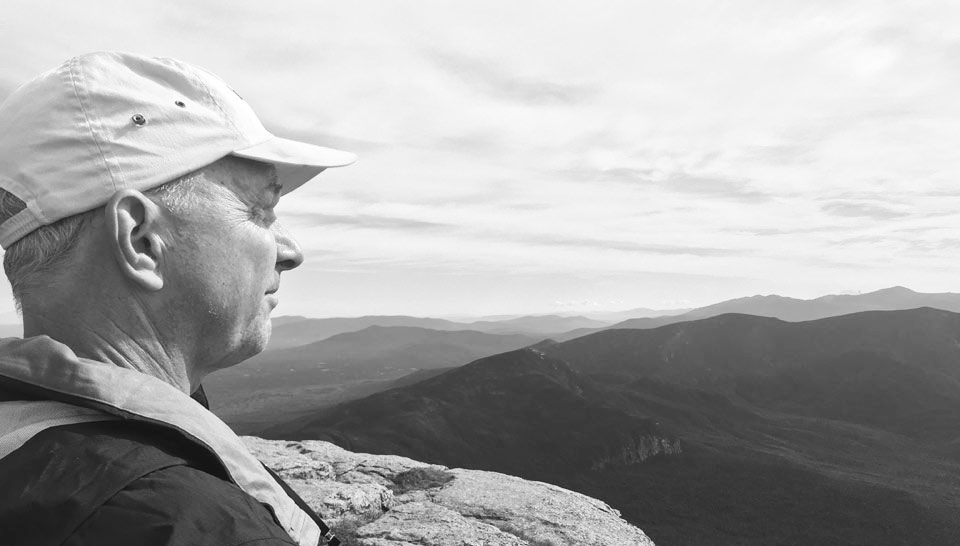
pixel 289 254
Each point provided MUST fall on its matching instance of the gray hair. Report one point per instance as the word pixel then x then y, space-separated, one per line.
pixel 46 249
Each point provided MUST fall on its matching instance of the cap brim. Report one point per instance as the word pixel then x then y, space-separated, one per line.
pixel 297 162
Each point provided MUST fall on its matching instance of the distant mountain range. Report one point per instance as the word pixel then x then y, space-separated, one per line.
pixel 298 372
pixel 795 310
pixel 298 331
pixel 612 317
pixel 733 429
pixel 281 383
pixel 294 331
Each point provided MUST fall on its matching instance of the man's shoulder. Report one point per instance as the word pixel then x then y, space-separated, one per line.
pixel 129 482
pixel 180 505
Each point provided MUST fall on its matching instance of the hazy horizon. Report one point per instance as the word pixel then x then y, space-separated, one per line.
pixel 593 313
pixel 540 157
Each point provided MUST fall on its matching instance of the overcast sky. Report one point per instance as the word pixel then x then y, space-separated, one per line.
pixel 535 157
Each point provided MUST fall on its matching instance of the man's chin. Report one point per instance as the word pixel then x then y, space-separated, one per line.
pixel 252 343
pixel 257 342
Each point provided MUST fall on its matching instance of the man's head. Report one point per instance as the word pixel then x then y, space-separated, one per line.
pixel 202 255
pixel 160 173
pixel 104 122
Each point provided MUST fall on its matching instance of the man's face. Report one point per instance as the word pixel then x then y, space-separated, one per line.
pixel 225 260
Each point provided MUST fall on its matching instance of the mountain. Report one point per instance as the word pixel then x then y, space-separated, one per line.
pixel 713 350
pixel 792 309
pixel 536 325
pixel 520 412
pixel 417 376
pixel 897 297
pixel 285 320
pixel 374 350
pixel 796 310
pixel 278 384
pixel 734 429
pixel 639 312
pixel 868 389
pixel 295 331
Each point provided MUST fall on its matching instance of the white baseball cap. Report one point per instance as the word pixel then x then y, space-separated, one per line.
pixel 107 121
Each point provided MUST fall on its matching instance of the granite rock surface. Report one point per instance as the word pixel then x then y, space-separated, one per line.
pixel 385 500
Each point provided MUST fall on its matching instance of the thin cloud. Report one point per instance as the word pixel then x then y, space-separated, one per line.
pixel 864 240
pixel 629 246
pixel 936 214
pixel 369 221
pixel 528 206
pixel 775 231
pixel 851 209
pixel 489 78
pixel 682 183
pixel 948 244
pixel 475 143
pixel 783 154
pixel 945 192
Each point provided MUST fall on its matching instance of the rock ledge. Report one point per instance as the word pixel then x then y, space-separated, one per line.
pixel 385 500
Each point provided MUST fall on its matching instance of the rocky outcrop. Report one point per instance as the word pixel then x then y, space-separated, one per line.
pixel 385 500
pixel 633 449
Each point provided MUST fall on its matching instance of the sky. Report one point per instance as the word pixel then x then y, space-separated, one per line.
pixel 564 157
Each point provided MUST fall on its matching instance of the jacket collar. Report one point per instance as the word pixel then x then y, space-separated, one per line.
pixel 46 368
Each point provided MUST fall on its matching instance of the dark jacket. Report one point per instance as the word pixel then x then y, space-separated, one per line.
pixel 126 482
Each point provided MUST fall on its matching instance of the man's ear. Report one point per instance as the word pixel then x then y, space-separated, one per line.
pixel 133 228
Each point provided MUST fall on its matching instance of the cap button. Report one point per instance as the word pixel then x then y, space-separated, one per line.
pixel 138 119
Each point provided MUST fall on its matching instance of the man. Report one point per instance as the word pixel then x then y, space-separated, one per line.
pixel 137 214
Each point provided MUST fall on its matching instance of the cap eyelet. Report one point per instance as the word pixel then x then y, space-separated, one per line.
pixel 138 119
pixel 180 103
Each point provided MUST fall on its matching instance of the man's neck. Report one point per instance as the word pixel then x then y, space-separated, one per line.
pixel 128 341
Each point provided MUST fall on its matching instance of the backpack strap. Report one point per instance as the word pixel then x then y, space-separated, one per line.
pixel 325 533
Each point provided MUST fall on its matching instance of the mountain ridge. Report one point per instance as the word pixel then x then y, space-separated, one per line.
pixel 838 420
pixel 618 348
pixel 794 309
pixel 559 415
